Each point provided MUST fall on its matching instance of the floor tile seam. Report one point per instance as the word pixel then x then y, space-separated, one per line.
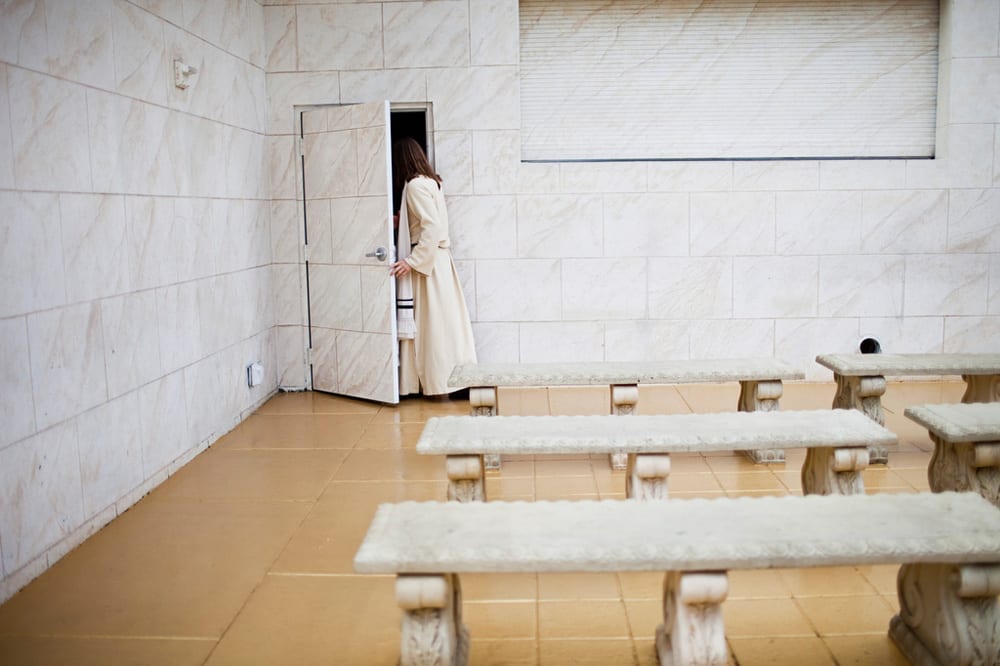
pixel 325 574
pixel 835 595
pixel 566 639
pixel 758 597
pixel 112 637
pixel 490 602
pixel 764 634
pixel 808 617
pixel 614 637
pixel 261 579
pixel 231 449
pixel 333 475
pixel 749 471
pixel 629 622
pixel 278 414
pixel 588 599
pixel 235 500
pixel 829 650
pixel 309 413
pixel 537 606
pixel 290 449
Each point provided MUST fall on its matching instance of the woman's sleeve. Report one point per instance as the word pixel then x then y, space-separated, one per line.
pixel 421 201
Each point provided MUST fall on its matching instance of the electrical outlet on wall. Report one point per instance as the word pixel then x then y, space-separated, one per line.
pixel 255 374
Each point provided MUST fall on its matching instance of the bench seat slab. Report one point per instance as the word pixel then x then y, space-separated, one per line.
pixel 623 379
pixel 966 447
pixel 609 373
pixel 834 471
pixel 659 433
pixel 860 380
pixel 948 544
pixel 680 535
pixel 902 365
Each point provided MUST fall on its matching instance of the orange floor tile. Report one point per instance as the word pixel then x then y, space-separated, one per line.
pixel 244 555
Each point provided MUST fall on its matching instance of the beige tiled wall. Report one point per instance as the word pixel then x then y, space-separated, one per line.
pixel 673 260
pixel 135 262
pixel 152 237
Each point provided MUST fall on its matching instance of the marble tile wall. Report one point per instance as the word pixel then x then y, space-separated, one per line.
pixel 151 207
pixel 663 259
pixel 136 264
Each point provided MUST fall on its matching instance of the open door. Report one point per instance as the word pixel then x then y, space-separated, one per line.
pixel 347 192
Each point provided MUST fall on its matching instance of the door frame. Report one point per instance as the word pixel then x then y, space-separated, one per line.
pixel 304 305
pixel 428 109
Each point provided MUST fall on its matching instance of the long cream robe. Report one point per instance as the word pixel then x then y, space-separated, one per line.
pixel 444 333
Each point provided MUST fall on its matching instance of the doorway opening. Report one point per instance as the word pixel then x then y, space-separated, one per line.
pixel 408 123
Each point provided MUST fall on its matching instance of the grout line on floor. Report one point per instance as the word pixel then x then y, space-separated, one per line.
pixel 263 577
pixel 320 574
pixel 117 637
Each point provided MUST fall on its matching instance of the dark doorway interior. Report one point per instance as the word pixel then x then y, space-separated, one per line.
pixel 413 124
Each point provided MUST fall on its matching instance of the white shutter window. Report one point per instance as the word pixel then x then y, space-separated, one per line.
pixel 728 79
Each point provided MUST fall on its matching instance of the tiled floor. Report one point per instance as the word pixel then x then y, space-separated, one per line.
pixel 244 556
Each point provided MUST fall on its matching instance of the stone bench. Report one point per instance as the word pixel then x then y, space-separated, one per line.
pixel 837 442
pixel 948 544
pixel 966 446
pixel 760 385
pixel 861 379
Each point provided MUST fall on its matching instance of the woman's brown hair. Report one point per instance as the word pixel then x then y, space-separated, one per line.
pixel 408 162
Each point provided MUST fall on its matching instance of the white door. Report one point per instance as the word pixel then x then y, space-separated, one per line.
pixel 347 190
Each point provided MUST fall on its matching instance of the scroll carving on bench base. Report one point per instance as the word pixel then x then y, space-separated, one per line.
pixel 692 633
pixel 865 395
pixel 431 633
pixel 949 614
pixel 465 478
pixel 624 399
pixel 966 466
pixel 981 388
pixel 762 396
pixel 830 471
pixel 483 400
pixel 646 477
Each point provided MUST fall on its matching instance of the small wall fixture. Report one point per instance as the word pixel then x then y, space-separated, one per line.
pixel 183 73
pixel 870 346
pixel 255 374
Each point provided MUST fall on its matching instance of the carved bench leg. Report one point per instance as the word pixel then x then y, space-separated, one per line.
pixel 483 400
pixel 646 477
pixel 762 396
pixel 830 471
pixel 624 399
pixel 465 478
pixel 432 633
pixel 981 388
pixel 692 632
pixel 865 395
pixel 966 466
pixel 948 614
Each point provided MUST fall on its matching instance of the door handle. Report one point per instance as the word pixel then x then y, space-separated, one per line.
pixel 379 254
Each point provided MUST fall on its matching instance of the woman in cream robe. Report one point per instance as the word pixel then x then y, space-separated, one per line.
pixel 443 337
